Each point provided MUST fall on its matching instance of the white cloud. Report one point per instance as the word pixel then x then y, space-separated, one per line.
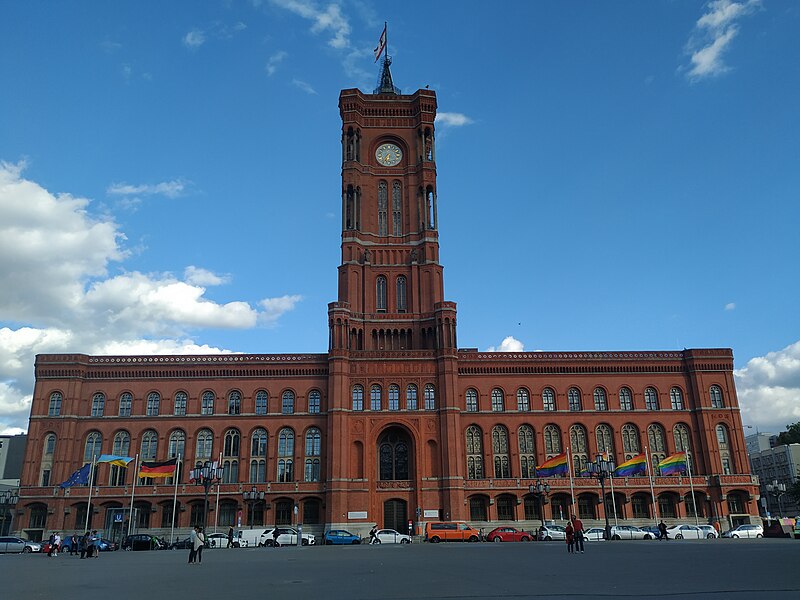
pixel 452 119
pixel 713 34
pixel 197 276
pixel 303 86
pixel 275 307
pixel 509 344
pixel 170 189
pixel 730 306
pixel 769 389
pixel 194 39
pixel 274 60
pixel 330 19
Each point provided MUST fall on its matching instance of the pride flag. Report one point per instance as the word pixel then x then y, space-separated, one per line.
pixel 557 465
pixel 117 461
pixel 672 465
pixel 635 466
pixel 158 469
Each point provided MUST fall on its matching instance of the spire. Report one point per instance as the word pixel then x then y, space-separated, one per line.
pixel 385 85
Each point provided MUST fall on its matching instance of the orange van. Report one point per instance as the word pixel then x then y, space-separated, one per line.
pixel 450 531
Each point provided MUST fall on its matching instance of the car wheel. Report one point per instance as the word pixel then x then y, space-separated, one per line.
pixel 328 543
pixel 615 537
pixel 304 542
pixel 647 536
pixel 404 541
pixel 710 536
pixel 524 539
pixel 734 536
pixel 548 539
pixel 758 535
pixel 679 536
pixel 497 539
pixel 435 540
pixel 27 550
pixel 473 538
pixel 356 542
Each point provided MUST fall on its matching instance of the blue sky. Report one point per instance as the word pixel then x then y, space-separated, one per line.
pixel 612 176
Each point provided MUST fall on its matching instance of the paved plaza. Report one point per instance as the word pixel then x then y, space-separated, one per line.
pixel 752 569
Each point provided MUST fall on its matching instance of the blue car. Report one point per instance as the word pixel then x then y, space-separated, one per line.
pixel 340 536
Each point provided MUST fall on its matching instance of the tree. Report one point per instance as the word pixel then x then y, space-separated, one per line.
pixel 791 435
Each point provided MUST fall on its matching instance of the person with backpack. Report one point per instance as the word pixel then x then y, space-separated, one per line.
pixel 373 535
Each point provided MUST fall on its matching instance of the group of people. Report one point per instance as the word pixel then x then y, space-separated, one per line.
pixel 574 532
pixel 88 544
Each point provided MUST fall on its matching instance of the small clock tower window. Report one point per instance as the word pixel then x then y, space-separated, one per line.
pixel 383 199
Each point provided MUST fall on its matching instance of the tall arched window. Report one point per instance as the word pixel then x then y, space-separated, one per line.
pixel 625 399
pixel 314 401
pixel 262 399
pixel 676 398
pixel 552 440
pixel 234 403
pixel 402 294
pixel 153 404
pixel 498 403
pixel 548 399
pixel 724 449
pixel 716 397
pixel 179 407
pixel 396 209
pixel 430 397
pixel 54 409
pixel 658 443
pixel 149 450
pixel 680 434
pixel 600 400
pixel 650 399
pixel 50 444
pixel 286 455
pixel 502 469
pixel 380 294
pixel 474 452
pixel 313 453
pixel 98 404
pixel 358 397
pixel 375 397
pixel 383 198
pixel 394 397
pixel 630 441
pixel 527 452
pixel 574 397
pixel 287 402
pixel 204 446
pixel 177 444
pixel 393 457
pixel 605 440
pixel 523 400
pixel 125 401
pixel 207 407
pixel 472 400
pixel 46 467
pixel 411 397
pixel 579 447
pixel 92 450
pixel 230 456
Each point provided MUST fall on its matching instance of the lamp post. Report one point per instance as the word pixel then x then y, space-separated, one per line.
pixel 540 489
pixel 602 469
pixel 206 474
pixel 8 500
pixel 253 497
pixel 777 490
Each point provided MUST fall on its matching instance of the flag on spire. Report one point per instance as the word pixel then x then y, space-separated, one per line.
pixel 381 44
pixel 79 477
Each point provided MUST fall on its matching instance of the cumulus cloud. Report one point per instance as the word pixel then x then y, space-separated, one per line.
pixel 509 344
pixel 57 295
pixel 194 39
pixel 303 86
pixel 170 189
pixel 730 306
pixel 713 34
pixel 769 389
pixel 448 119
pixel 275 60
pixel 327 20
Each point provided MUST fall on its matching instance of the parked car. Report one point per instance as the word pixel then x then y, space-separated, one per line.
pixel 594 534
pixel 340 537
pixel 685 532
pixel 745 531
pixel 629 532
pixel 508 534
pixel 220 540
pixel 390 536
pixel 653 530
pixel 287 536
pixel 140 541
pixel 710 532
pixel 548 533
pixel 13 544
pixel 450 531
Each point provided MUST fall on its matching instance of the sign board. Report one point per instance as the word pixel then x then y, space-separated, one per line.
pixel 357 514
pixel 117 517
pixel 431 513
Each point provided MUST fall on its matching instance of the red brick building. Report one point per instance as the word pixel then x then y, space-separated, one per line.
pixel 395 422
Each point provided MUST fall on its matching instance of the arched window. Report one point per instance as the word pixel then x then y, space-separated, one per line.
pixel 230 456
pixel 625 399
pixel 287 402
pixel 724 449
pixel 125 401
pixel 234 403
pixel 98 404
pixel 46 467
pixel 313 453
pixel 383 198
pixel 411 397
pixel 149 445
pixel 474 452
pixel 286 455
pixel 204 446
pixel 393 457
pixel 394 397
pixel 650 399
pixel 498 404
pixel 153 404
pixel 396 209
pixel 472 401
pixel 548 399
pixel 680 434
pixel 262 399
pixel 600 401
pixel 207 407
pixel 375 397
pixel 314 401
pixel 552 440
pixel 579 447
pixel 177 444
pixel 676 398
pixel 574 397
pixel 630 441
pixel 605 440
pixel 180 404
pixel 54 410
pixel 380 294
pixel 716 397
pixel 527 452
pixel 502 470
pixel 92 450
pixel 50 444
pixel 358 397
pixel 402 294
pixel 430 397
pixel 523 400
pixel 258 443
pixel 658 443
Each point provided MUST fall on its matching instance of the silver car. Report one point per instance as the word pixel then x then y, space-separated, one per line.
pixel 745 531
pixel 629 532
pixel 552 532
pixel 13 544
pixel 390 536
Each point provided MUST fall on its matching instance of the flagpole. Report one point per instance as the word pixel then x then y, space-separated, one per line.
pixel 89 510
pixel 571 487
pixel 133 490
pixel 650 476
pixel 216 505
pixel 613 499
pixel 386 46
pixel 691 487
pixel 175 499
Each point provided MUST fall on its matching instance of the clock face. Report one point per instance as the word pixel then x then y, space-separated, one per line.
pixel 388 155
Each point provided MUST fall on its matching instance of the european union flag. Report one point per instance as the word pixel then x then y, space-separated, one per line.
pixel 79 477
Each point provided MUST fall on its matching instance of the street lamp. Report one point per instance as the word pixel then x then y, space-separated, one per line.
pixel 777 490
pixel 206 474
pixel 540 489
pixel 253 497
pixel 8 500
pixel 602 469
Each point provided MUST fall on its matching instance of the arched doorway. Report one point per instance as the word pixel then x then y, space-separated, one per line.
pixel 395 515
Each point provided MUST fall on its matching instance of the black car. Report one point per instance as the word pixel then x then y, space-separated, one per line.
pixel 182 544
pixel 140 541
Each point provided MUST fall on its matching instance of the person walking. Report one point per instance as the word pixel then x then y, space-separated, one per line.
pixel 230 537
pixel 199 542
pixel 570 534
pixel 192 543
pixel 662 529
pixel 275 535
pixel 373 535
pixel 96 541
pixel 84 543
pixel 577 526
pixel 73 545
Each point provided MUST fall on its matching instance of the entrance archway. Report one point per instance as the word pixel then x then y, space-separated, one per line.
pixel 395 457
pixel 395 515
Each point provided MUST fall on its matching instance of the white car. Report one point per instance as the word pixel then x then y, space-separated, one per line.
pixel 629 532
pixel 552 532
pixel 390 536
pixel 745 531
pixel 686 532
pixel 594 534
pixel 287 536
pixel 710 532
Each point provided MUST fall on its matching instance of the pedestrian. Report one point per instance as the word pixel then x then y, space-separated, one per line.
pixel 662 529
pixel 51 543
pixel 192 542
pixel 570 533
pixel 199 542
pixel 230 537
pixel 373 534
pixel 84 544
pixel 275 535
pixel 96 541
pixel 73 545
pixel 577 525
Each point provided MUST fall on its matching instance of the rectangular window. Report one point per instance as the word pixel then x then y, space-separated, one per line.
pixel 45 477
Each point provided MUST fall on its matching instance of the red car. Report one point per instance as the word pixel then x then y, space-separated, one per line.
pixel 508 534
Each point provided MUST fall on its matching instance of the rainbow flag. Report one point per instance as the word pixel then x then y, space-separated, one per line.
pixel 158 469
pixel 635 466
pixel 117 461
pixel 555 466
pixel 675 464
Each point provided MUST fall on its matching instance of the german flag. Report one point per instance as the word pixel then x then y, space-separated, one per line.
pixel 158 469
